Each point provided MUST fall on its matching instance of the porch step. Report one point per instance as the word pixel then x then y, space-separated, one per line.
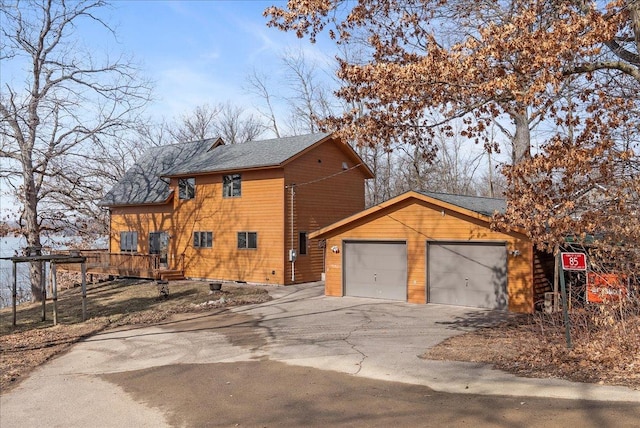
pixel 171 275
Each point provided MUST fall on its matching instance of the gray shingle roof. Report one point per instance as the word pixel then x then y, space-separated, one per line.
pixel 142 183
pixel 146 182
pixel 484 206
pixel 253 154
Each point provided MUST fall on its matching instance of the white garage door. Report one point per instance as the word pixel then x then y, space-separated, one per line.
pixel 376 269
pixel 468 274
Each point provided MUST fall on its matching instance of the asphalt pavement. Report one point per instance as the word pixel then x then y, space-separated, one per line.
pixel 300 359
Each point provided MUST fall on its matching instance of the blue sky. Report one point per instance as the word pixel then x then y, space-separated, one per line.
pixel 200 52
pixel 195 52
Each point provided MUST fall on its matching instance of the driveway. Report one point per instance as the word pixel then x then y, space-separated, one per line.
pixel 380 339
pixel 264 358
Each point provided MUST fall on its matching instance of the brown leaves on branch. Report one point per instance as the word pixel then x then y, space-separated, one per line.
pixel 502 58
pixel 518 65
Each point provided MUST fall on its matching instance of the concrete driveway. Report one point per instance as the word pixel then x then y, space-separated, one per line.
pixel 364 338
pixel 380 339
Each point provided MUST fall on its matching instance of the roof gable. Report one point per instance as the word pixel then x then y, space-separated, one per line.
pixel 471 206
pixel 249 155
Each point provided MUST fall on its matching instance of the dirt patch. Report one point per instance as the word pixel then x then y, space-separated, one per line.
pixel 110 304
pixel 535 346
pixel 272 394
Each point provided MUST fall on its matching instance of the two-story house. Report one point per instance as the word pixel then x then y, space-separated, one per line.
pixel 234 212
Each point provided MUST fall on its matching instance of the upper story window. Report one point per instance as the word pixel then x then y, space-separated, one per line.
pixel 187 188
pixel 129 241
pixel 231 185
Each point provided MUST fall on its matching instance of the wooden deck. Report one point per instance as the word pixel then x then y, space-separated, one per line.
pixel 128 265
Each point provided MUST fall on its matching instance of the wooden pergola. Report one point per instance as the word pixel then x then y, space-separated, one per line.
pixel 53 260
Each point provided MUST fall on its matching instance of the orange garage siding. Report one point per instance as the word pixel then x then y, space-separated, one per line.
pixel 418 219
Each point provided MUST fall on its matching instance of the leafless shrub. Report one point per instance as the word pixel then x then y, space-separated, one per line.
pixel 603 335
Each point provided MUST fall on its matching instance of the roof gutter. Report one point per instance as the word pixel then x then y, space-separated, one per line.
pixel 166 201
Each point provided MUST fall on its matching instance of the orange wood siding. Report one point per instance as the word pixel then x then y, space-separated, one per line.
pixel 418 222
pixel 143 220
pixel 259 209
pixel 324 194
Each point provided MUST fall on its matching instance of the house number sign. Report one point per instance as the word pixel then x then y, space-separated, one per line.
pixel 574 261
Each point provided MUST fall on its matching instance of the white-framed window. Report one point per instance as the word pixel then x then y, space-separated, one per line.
pixel 248 240
pixel 203 239
pixel 302 243
pixel 187 188
pixel 129 241
pixel 232 186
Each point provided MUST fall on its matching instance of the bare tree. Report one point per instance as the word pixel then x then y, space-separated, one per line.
pixel 310 98
pixel 230 122
pixel 258 84
pixel 452 168
pixel 455 169
pixel 68 101
pixel 235 125
pixel 198 124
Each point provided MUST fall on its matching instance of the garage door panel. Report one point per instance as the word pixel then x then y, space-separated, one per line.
pixel 375 269
pixel 468 274
pixel 452 288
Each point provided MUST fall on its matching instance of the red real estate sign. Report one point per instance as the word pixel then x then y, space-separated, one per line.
pixel 605 287
pixel 574 261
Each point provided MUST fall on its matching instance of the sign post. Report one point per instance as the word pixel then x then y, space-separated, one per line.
pixel 570 262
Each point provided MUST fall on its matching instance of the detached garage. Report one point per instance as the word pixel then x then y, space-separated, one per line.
pixel 430 248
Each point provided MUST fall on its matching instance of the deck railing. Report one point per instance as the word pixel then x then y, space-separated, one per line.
pixel 129 261
pixel 135 264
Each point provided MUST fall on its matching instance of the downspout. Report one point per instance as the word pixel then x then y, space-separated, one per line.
pixel 293 262
pixel 109 231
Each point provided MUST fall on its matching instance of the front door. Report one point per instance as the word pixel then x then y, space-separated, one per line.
pixel 159 244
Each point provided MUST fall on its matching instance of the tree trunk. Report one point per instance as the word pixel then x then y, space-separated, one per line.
pixel 32 234
pixel 634 16
pixel 522 137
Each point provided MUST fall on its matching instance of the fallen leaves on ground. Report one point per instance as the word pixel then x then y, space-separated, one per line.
pixel 526 347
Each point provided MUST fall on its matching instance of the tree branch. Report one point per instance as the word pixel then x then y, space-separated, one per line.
pixel 624 67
